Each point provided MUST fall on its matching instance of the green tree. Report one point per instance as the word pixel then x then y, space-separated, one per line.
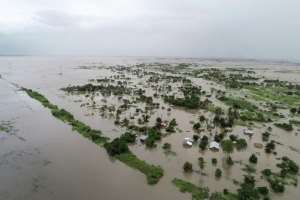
pixel 253 159
pixel 188 167
pixel 227 146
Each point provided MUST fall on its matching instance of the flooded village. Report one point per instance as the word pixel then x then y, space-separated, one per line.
pixel 149 128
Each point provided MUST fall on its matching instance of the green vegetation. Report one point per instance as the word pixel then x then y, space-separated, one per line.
pixel 106 90
pixel 203 143
pixel 227 146
pixel 218 173
pixel 275 93
pixel 248 191
pixel 188 167
pixel 6 126
pixel 197 193
pixel 288 175
pixel 238 103
pixel 214 161
pixel 263 190
pixel 284 126
pixel 190 101
pixel 294 122
pixel 167 149
pixel 128 137
pixel 152 172
pixel 117 148
pixel 201 162
pixel 248 111
pixel 166 146
pixel 197 126
pixel 241 144
pixel 229 161
pixel 171 126
pixel 265 136
pixel 253 159
pixel 246 100
pixel 65 116
pixel 153 136
pixel 249 169
pixel 270 147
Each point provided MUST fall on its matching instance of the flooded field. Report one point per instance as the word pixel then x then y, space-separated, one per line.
pixel 209 123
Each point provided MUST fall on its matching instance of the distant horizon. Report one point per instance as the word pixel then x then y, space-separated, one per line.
pixel 276 60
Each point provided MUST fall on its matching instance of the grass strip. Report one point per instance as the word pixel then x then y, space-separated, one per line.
pixel 152 172
pixel 198 193
pixel 65 116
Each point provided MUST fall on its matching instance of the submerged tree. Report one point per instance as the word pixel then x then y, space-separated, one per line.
pixel 188 167
pixel 227 146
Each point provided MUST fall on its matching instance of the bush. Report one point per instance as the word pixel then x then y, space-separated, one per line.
pixel 241 144
pixel 167 146
pixel 288 167
pixel 128 137
pixel 214 161
pixel 227 146
pixel 203 143
pixel 201 118
pixel 152 172
pixel 198 193
pixel 270 147
pixel 196 126
pixel 196 137
pixel 277 186
pixel 219 137
pixel 285 126
pixel 216 196
pixel 293 110
pixel 218 173
pixel 201 162
pixel 171 126
pixel 233 137
pixel 265 136
pixel 253 159
pixel 187 167
pixel 225 191
pixel 116 147
pixel 247 189
pixel 153 136
pixel 229 161
pixel 263 190
pixel 267 172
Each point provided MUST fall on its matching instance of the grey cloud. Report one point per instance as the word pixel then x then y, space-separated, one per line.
pixel 208 28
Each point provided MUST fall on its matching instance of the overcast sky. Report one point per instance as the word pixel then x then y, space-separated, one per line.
pixel 193 28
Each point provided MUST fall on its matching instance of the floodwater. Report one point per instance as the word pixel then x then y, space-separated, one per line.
pixel 42 158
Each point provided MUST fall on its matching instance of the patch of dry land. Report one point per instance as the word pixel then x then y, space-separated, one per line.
pixel 195 129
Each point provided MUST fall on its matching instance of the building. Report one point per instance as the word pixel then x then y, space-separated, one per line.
pixel 214 146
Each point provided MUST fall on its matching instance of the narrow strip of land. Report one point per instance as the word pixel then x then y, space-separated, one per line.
pixel 152 172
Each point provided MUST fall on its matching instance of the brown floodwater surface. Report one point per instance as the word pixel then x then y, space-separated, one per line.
pixel 42 158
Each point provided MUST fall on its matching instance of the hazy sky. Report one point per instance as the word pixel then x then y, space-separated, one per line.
pixel 193 28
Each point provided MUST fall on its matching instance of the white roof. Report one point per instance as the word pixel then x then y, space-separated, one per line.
pixel 143 137
pixel 249 132
pixel 214 145
pixel 189 143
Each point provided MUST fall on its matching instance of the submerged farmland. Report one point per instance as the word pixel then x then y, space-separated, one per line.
pixel 204 131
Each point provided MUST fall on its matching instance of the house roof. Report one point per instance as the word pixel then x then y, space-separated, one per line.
pixel 214 145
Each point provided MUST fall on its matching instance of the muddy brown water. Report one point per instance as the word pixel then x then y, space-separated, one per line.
pixel 42 158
